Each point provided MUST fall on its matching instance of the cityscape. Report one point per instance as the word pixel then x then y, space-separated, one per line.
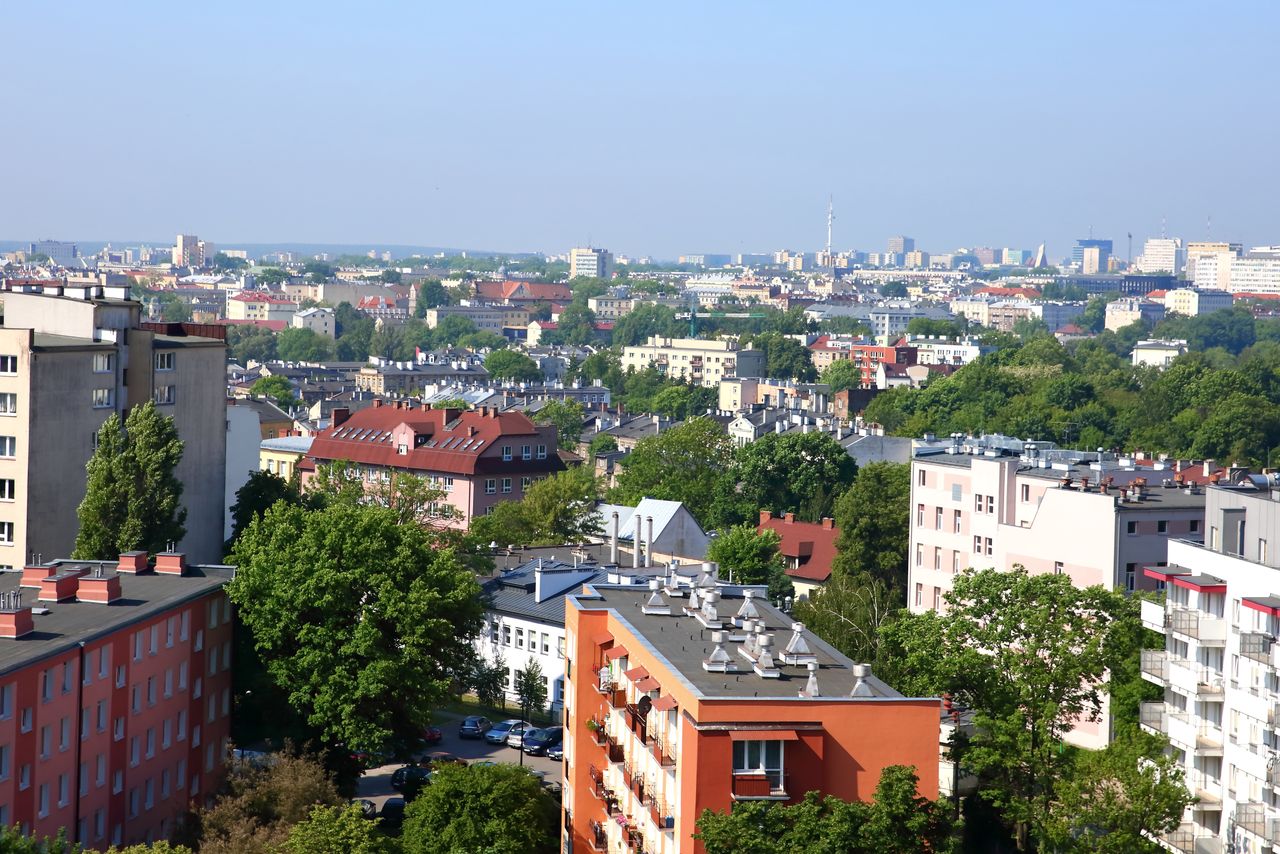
pixel 664 431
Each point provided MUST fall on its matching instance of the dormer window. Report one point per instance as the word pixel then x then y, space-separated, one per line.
pixel 402 449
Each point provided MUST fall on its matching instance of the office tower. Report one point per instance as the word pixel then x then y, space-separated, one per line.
pixel 1161 255
pixel 188 251
pixel 1217 272
pixel 60 252
pixel 590 262
pixel 1093 261
pixel 901 245
pixel 1077 251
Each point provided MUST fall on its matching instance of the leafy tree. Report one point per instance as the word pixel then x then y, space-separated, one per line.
pixel 431 294
pixel 786 358
pixel 683 464
pixel 801 473
pixel 276 387
pixel 601 443
pixel 262 802
pixel 1028 655
pixel 556 509
pixel 577 324
pixel 317 271
pixel 250 344
pixel 531 688
pixel 360 618
pixel 847 612
pixel 390 277
pixel 411 499
pixel 335 830
pixel 935 327
pixel 567 416
pixel 1114 801
pixel 303 345
pixel 451 329
pixel 751 557
pixel 897 821
pixel 874 518
pixel 497 809
pixel 842 374
pixel 132 497
pixel 259 493
pixel 510 365
pixel 272 276
pixel 224 262
pixel 489 682
pixel 645 321
pixel 894 290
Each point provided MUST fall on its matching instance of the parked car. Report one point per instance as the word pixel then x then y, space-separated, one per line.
pixel 515 735
pixel 410 779
pixel 392 814
pixel 432 735
pixel 438 758
pixel 372 758
pixel 556 751
pixel 474 726
pixel 368 809
pixel 498 733
pixel 538 741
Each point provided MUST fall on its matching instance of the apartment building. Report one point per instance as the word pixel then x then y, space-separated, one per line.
pixel 70 357
pixel 1129 310
pixel 1220 669
pixel 476 457
pixel 939 350
pixel 697 360
pixel 387 377
pixel 115 696
pixel 610 307
pixel 1216 274
pixel 257 305
pixel 1193 302
pixel 866 355
pixel 319 319
pixel 590 262
pixel 695 695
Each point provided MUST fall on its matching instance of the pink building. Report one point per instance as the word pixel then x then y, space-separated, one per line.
pixel 476 457
pixel 115 695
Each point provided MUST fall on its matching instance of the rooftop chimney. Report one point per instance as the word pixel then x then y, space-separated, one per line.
pixel 99 587
pixel 811 687
pixel 34 573
pixel 748 610
pixel 861 688
pixel 797 650
pixel 61 587
pixel 656 604
pixel 171 562
pixel 132 562
pixel 764 665
pixel 719 661
pixel 15 618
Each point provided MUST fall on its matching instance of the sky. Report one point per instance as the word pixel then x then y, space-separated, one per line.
pixel 648 128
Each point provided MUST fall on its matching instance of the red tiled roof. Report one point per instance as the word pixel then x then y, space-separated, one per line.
pixel 1156 294
pixel 523 290
pixel 812 543
pixel 245 296
pixel 437 440
pixel 1029 293
pixel 375 302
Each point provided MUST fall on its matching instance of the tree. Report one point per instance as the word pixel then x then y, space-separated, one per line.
pixel 577 325
pixel 841 374
pixel 874 517
pixel 132 497
pixel 750 557
pixel 497 809
pixel 601 443
pixel 847 612
pixel 531 692
pixel 567 416
pixel 362 619
pixel 431 294
pixel 390 277
pixel 259 493
pixel 554 510
pixel 897 821
pixel 272 276
pixel 683 464
pixel 510 365
pixel 262 802
pixel 303 345
pixel 786 358
pixel 335 830
pixel 223 261
pixel 276 387
pixel 250 344
pixel 801 473
pixel 1117 800
pixel 935 327
pixel 489 681
pixel 1028 655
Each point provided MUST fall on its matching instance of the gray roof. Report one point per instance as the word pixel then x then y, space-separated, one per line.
pixel 515 591
pixel 293 444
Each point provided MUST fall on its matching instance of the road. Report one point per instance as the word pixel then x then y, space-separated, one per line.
pixel 375 785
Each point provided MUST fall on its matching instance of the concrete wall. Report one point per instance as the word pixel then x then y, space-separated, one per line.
pixel 243 456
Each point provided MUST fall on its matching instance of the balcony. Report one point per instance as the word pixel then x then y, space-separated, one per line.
pixel 662 814
pixel 662 752
pixel 1151 717
pixel 1258 820
pixel 1180 729
pixel 1258 646
pixel 1155 665
pixel 614 749
pixel 1186 840
pixel 758 787
pixel 596 837
pixel 1153 615
pixel 1206 628
pixel 1194 679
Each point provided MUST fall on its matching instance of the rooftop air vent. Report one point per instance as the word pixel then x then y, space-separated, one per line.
pixel 811 686
pixel 797 650
pixel 719 661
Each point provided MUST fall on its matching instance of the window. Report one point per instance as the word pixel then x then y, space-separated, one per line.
pixel 759 757
pixel 117 782
pixel 68 677
pixel 1195 526
pixel 182 725
pixel 164 395
pixel 977 503
pixel 1131 528
pixel 977 545
pixel 1162 526
pixel 1057 567
pixel 990 550
pixel 8 403
pixel 956 521
pixel 1262 551
pixel 164 361
pixel 151 742
pixel 168 683
pixel 6 702
pixel 506 453
pixel 4 762
pixel 920 480
pixel 135 750
pixel 102 398
pixel 118 734
pixel 937 518
pixel 955 561
pixel 120 676
pixel 919 593
pixel 937 598
pixel 64 790
pixel 559 647
pixel 991 504
pixel 8 491
pixel 64 734
pixel 46 741
pixel 920 515
pixel 506 484
pixel 104 661
pixel 100 771
pixel 135 699
pixel 151 690
pixel 8 364
pixel 6 533
pixel 519 638
pixel 919 554
pixel 104 363
pixel 1026 492
pixel 1130 576
pixel 24 777
pixel 155 639
pixel 526 452
pixel 524 483
pixel 490 486
pixel 169 626
pixel 43 808
pixel 9 446
pixel 542 452
pixel 199 644
pixel 937 557
pixel 46 686
pixel 101 721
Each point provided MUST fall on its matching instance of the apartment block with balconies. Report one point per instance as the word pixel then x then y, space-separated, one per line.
pixel 1220 669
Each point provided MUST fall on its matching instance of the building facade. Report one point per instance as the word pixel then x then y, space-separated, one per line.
pixel 1130 310
pixel 659 728
pixel 590 262
pixel 1193 302
pixel 257 305
pixel 700 361
pixel 115 703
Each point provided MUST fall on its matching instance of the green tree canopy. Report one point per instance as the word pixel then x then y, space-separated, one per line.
pixel 554 510
pixel 801 473
pixel 259 493
pixel 303 345
pixel 531 689
pixel 684 463
pixel 278 388
pixel 431 294
pixel 874 517
pixel 250 344
pixel 750 557
pixel 841 374
pixel 272 276
pixel 362 619
pixel 510 365
pixel 133 499
pixel 497 809
pixel 567 416
pixel 262 802
pixel 335 830
pixel 786 358
pixel 847 612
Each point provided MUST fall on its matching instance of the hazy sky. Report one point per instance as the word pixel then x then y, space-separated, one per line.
pixel 643 127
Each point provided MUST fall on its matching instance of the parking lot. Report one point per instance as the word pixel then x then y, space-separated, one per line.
pixel 375 785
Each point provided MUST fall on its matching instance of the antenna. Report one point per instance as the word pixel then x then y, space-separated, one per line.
pixel 830 218
pixel 1130 263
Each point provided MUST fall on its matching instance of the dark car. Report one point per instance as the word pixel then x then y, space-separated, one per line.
pixel 498 733
pixel 474 726
pixel 392 814
pixel 556 751
pixel 538 741
pixel 410 779
pixel 432 735
pixel 368 809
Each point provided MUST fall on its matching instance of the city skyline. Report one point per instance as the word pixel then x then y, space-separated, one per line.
pixel 329 125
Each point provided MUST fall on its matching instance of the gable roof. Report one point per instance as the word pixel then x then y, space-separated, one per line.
pixel 509 290
pixel 812 544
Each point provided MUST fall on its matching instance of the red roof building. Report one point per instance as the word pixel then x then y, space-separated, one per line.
pixel 513 292
pixel 1025 293
pixel 866 355
pixel 476 457
pixel 809 547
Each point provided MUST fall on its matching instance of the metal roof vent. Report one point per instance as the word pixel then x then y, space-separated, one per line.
pixel 811 686
pixel 764 665
pixel 719 661
pixel 797 650
pixel 861 688
pixel 708 616
pixel 748 609
pixel 656 604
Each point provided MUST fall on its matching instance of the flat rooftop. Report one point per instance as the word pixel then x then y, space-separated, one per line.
pixel 683 643
pixel 70 623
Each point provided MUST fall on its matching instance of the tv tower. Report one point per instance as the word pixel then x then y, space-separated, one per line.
pixel 830 218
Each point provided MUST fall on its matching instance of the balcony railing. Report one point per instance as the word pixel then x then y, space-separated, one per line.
pixel 1197 624
pixel 758 786
pixel 662 752
pixel 614 749
pixel 1257 647
pixel 662 814
pixel 1182 839
pixel 1152 716
pixel 599 841
pixel 1155 663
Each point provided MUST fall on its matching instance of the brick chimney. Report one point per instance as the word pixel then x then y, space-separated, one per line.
pixel 34 573
pixel 766 516
pixel 15 618
pixel 100 586
pixel 61 587
pixel 132 562
pixel 339 416
pixel 171 563
pixel 828 524
pixel 789 518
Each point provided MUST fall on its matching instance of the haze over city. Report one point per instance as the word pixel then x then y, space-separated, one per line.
pixel 659 129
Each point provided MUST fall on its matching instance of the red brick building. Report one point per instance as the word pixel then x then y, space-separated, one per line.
pixel 866 355
pixel 476 457
pixel 115 695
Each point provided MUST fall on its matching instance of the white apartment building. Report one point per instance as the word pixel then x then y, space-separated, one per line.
pixel 1161 255
pixel 319 319
pixel 1130 310
pixel 700 361
pixel 591 262
pixel 1157 352
pixel 1220 670
pixel 937 350
pixel 1193 302
pixel 1217 272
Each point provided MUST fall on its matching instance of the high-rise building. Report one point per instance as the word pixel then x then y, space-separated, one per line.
pixel 917 259
pixel 1015 257
pixel 1161 255
pixel 73 353
pixel 1093 260
pixel 60 252
pixel 688 694
pixel 901 244
pixel 1077 251
pixel 115 701
pixel 191 251
pixel 1221 255
pixel 590 262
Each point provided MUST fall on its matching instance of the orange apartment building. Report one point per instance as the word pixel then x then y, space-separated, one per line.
pixel 690 695
pixel 115 695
